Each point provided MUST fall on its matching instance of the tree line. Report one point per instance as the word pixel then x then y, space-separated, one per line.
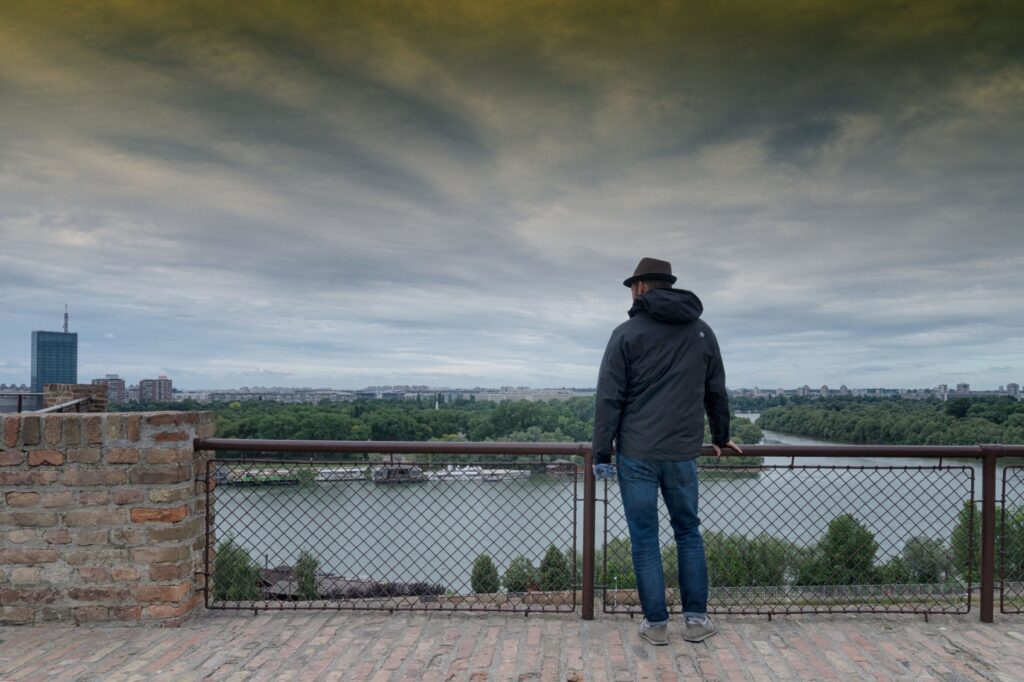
pixel 893 421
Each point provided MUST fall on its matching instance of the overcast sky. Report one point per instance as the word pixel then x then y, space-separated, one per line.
pixel 452 193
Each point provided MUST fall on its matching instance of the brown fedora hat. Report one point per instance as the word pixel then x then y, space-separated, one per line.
pixel 652 268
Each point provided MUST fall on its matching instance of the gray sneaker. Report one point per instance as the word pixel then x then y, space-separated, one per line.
pixel 699 629
pixel 656 635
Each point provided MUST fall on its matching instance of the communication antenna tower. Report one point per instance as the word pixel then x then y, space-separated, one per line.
pixel 65 318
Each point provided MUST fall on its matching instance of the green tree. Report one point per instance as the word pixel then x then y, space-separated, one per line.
pixel 618 564
pixel 520 575
pixel 967 536
pixel 844 556
pixel 554 571
pixel 305 575
pixel 928 560
pixel 236 577
pixel 484 576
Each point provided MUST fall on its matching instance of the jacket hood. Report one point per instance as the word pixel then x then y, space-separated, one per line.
pixel 673 306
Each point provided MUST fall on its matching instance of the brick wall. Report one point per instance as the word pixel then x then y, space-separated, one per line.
pixel 58 394
pixel 101 517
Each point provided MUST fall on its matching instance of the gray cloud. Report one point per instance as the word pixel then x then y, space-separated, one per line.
pixel 289 194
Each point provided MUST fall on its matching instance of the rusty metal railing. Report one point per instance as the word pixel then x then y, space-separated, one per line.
pixel 77 404
pixel 919 560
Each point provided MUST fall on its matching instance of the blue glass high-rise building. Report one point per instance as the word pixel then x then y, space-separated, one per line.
pixel 54 359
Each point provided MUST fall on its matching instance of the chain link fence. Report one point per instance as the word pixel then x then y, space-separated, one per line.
pixel 816 538
pixel 413 534
pixel 1011 541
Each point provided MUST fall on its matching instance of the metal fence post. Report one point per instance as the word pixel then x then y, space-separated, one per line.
pixel 589 513
pixel 988 531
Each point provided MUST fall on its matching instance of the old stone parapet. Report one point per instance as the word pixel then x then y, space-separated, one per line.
pixel 102 517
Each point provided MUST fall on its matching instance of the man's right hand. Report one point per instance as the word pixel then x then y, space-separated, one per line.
pixel 730 445
pixel 603 471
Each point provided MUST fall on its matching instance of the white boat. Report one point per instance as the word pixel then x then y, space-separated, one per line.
pixel 340 474
pixel 456 473
pixel 492 475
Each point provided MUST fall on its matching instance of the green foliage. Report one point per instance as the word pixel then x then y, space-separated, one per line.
pixel 554 571
pixel 236 577
pixel 305 575
pixel 520 576
pixel 618 564
pixel 967 533
pixel 844 556
pixel 1013 559
pixel 738 561
pixel 484 576
pixel 960 421
pixel 927 560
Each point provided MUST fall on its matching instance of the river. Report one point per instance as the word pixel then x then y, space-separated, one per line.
pixel 433 531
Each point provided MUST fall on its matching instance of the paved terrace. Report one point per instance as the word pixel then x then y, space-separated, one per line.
pixel 417 646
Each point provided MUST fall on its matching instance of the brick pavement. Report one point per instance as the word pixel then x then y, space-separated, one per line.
pixel 417 646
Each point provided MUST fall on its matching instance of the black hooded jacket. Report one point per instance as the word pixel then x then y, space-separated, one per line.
pixel 661 371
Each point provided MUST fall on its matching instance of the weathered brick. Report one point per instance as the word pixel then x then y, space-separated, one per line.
pixel 158 475
pixel 64 498
pixel 178 533
pixel 21 536
pixel 11 425
pixel 127 537
pixel 168 455
pixel 176 571
pixel 96 557
pixel 45 457
pixel 171 418
pixel 127 496
pixel 83 455
pixel 132 427
pixel 26 575
pixel 72 431
pixel 16 499
pixel 94 517
pixel 160 555
pixel 51 614
pixel 165 495
pixel 172 612
pixel 122 455
pixel 10 458
pixel 30 430
pixel 170 437
pixel 159 515
pixel 93 429
pixel 33 519
pixel 107 594
pixel 91 536
pixel 28 556
pixel 112 426
pixel 17 615
pixel 60 536
pixel 94 497
pixel 52 428
pixel 94 574
pixel 127 574
pixel 29 595
pixel 162 593
pixel 28 477
pixel 92 614
pixel 95 477
pixel 126 613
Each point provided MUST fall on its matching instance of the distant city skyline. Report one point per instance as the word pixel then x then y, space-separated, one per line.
pixel 346 194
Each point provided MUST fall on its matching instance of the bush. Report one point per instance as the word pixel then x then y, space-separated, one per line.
pixel 844 556
pixel 484 577
pixel 1013 561
pixel 554 571
pixel 520 575
pixel 236 577
pixel 305 575
pixel 928 561
pixel 967 534
pixel 618 564
pixel 737 561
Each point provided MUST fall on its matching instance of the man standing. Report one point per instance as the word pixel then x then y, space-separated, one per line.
pixel 661 372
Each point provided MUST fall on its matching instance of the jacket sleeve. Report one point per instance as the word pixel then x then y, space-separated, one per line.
pixel 716 400
pixel 611 398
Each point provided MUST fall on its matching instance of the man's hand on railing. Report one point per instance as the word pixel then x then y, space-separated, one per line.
pixel 603 471
pixel 730 445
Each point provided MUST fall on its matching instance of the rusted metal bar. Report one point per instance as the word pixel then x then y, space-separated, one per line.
pixel 589 528
pixel 19 402
pixel 990 454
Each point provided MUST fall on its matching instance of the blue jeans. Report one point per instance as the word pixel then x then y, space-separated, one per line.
pixel 639 482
